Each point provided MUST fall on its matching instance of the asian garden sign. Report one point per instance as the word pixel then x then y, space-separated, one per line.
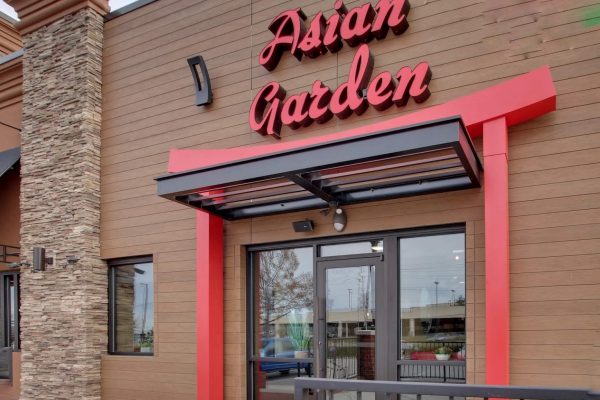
pixel 270 110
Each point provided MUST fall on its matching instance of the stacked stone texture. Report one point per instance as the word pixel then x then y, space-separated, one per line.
pixel 64 309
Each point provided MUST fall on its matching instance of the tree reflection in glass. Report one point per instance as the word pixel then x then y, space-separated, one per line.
pixel 283 320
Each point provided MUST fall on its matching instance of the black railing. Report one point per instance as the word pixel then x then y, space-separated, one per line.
pixel 342 358
pixel 305 388
pixel 419 363
pixel 432 371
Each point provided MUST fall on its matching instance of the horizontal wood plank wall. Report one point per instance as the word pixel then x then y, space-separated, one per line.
pixel 470 44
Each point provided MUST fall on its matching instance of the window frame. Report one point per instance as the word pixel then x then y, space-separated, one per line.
pixel 391 273
pixel 8 306
pixel 112 315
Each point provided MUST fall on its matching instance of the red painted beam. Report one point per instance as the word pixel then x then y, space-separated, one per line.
pixel 209 306
pixel 519 99
pixel 497 285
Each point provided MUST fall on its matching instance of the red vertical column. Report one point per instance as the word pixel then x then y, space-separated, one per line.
pixel 497 285
pixel 209 307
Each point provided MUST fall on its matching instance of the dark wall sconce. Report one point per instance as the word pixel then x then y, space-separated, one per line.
pixel 39 259
pixel 303 226
pixel 72 260
pixel 203 87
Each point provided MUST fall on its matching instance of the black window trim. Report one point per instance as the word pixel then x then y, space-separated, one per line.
pixel 15 307
pixel 112 263
pixel 391 239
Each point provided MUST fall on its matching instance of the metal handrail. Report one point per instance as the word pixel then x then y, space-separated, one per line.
pixel 303 386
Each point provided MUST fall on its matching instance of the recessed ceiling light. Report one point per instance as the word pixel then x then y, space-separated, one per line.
pixel 457 258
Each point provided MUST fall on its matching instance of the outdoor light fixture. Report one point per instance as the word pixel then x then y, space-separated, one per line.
pixel 339 220
pixel 39 259
pixel 303 226
pixel 202 85
pixel 72 260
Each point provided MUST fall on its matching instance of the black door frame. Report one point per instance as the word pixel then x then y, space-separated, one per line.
pixel 319 312
pixel 10 305
pixel 386 357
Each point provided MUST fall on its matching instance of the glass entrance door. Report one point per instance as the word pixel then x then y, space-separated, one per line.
pixel 347 318
pixel 378 307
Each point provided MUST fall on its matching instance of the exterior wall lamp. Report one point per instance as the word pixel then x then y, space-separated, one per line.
pixel 303 226
pixel 339 220
pixel 201 80
pixel 39 259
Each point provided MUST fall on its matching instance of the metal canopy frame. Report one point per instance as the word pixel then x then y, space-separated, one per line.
pixel 430 157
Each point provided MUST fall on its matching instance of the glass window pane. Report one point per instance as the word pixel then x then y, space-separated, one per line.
pixel 432 300
pixel 284 303
pixel 350 318
pixel 283 323
pixel 4 310
pixel 134 316
pixel 12 302
pixel 343 249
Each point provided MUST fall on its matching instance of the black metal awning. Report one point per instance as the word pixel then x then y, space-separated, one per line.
pixel 426 158
pixel 8 158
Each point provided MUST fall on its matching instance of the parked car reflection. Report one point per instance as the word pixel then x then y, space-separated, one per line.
pixel 280 348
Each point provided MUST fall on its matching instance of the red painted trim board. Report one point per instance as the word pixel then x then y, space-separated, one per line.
pixel 209 306
pixel 497 285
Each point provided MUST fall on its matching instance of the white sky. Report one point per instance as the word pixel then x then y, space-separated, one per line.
pixel 114 4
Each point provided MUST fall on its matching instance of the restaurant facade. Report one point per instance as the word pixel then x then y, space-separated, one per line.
pixel 206 199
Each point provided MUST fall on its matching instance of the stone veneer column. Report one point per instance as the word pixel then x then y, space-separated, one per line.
pixel 63 309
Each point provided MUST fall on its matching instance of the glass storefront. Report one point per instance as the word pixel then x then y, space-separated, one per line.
pixel 323 309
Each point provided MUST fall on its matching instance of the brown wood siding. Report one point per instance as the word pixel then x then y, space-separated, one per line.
pixel 470 45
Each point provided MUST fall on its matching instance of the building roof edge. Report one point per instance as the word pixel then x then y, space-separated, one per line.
pixel 127 9
pixel 11 56
pixel 8 18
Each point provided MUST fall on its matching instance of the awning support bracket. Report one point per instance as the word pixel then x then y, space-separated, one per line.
pixel 311 187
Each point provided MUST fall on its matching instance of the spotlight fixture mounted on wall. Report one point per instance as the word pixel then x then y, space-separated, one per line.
pixel 39 259
pixel 339 220
pixel 303 226
pixel 72 260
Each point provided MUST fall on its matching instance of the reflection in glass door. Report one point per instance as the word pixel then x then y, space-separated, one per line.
pixel 385 308
pixel 347 318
